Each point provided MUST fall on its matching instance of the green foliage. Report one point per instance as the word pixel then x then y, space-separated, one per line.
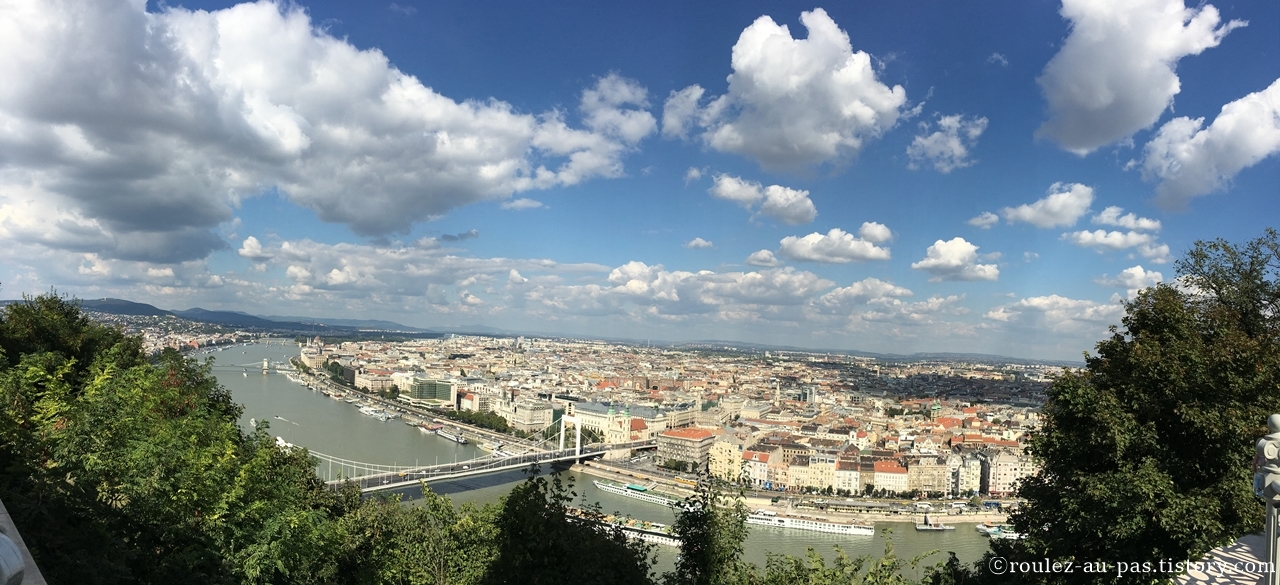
pixel 812 569
pixel 1147 452
pixel 712 528
pixel 117 470
pixel 539 544
pixel 485 420
pixel 675 464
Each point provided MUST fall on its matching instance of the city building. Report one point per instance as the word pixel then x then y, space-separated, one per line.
pixel 890 476
pixel 690 445
pixel 527 416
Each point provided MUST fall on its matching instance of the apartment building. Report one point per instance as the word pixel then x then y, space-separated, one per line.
pixel 890 476
pixel 690 445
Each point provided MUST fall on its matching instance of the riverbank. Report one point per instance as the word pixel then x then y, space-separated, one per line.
pixel 606 471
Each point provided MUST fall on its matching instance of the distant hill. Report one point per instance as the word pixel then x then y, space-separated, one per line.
pixel 947 356
pixel 123 307
pixel 113 307
pixel 239 319
pixel 352 323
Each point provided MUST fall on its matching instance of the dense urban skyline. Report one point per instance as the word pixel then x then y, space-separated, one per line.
pixel 990 178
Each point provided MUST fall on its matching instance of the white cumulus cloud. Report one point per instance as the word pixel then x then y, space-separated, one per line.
pixel 875 232
pixel 946 149
pixel 252 249
pixel 787 205
pixel 1112 240
pixel 1064 205
pixel 1132 279
pixel 1058 314
pixel 1145 243
pixel 984 221
pixel 698 243
pixel 792 103
pixel 1115 73
pixel 1190 160
pixel 763 258
pixel 1111 216
pixel 868 290
pixel 955 259
pixel 835 247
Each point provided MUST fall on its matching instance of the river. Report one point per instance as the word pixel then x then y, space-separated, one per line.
pixel 310 419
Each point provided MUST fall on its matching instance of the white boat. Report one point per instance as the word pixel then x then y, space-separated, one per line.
pixel 931 525
pixel 638 492
pixel 633 528
pixel 776 520
pixel 650 532
pixel 1005 532
pixel 458 438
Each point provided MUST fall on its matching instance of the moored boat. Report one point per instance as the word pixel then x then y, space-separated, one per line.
pixel 932 525
pixel 776 520
pixel 457 438
pixel 633 528
pixel 638 492
pixel 1005 532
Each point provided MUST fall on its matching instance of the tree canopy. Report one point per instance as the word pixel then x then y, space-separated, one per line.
pixel 1147 451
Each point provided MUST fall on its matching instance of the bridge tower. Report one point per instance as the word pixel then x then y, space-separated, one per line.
pixel 577 434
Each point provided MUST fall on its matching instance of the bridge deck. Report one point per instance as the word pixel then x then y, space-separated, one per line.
pixel 410 476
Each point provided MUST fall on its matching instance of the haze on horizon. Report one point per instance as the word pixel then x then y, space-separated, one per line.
pixel 990 179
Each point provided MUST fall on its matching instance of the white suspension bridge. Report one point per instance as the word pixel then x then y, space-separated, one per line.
pixel 376 477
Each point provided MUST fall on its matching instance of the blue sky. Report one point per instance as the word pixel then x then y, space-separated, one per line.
pixel 995 177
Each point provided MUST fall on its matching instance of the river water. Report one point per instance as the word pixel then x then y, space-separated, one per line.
pixel 310 419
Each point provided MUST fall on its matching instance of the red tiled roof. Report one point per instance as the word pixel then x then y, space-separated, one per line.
pixel 886 466
pixel 693 434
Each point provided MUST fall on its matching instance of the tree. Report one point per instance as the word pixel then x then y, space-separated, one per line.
pixel 712 527
pixel 1147 452
pixel 538 542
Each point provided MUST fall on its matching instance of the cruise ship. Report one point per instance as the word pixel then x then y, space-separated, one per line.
pixel 769 518
pixel 637 529
pixel 458 438
pixel 638 492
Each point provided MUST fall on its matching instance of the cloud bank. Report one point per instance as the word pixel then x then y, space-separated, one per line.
pixel 133 133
